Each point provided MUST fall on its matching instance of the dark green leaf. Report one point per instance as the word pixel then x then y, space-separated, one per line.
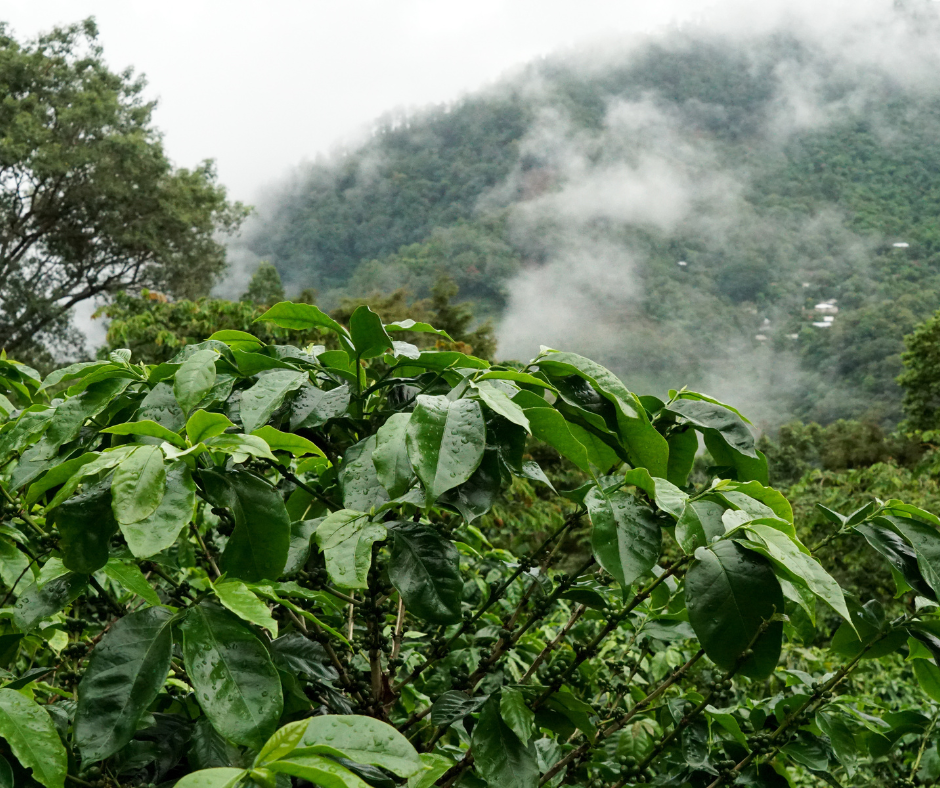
pixel 36 604
pixel 425 568
pixel 900 555
pixel 86 525
pixel 683 446
pixel 500 756
pixel 301 532
pixel 453 706
pixel 301 656
pixel 476 496
pixel 926 543
pixel 126 671
pixel 516 714
pixel 258 547
pixel 626 538
pixel 235 682
pixel 871 637
pixel 699 524
pixel 445 442
pixel 368 334
pixel 160 405
pixel 730 592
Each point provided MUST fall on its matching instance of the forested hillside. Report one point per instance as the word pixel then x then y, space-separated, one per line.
pixel 700 193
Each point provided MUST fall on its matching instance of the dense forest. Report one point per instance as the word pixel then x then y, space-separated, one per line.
pixel 699 192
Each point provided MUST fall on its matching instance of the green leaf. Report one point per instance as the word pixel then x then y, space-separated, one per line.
pixel 418 328
pixel 240 340
pixel 928 676
pixel 301 532
pixel 237 597
pixel 203 425
pixel 283 742
pixel 445 442
pixel 727 437
pixel 368 334
pixel 285 441
pixel 318 769
pixel 476 496
pixel 194 379
pixel 258 547
pixel 768 496
pixel 149 428
pixel 499 402
pixel 390 455
pixel 313 407
pixel 645 446
pixel 138 485
pixel 517 377
pixel 102 462
pixel 13 563
pixel 841 738
pixel 435 767
pixel 6 774
pixel 240 446
pixel 626 538
pixel 699 524
pixel 160 405
pixel 301 656
pixel 665 494
pixel 358 478
pixel 125 672
pixel 235 682
pixel 86 525
pixel 870 636
pixel 32 737
pixel 346 538
pixel 220 777
pixel 453 706
pixel 301 317
pixel 260 401
pixel 516 714
pixel 683 446
pixel 363 740
pixel 782 550
pixel 926 543
pixel 549 426
pixel 425 568
pixel 129 577
pixel 156 533
pixel 900 555
pixel 499 754
pixel 730 592
pixel 36 603
pixel 577 712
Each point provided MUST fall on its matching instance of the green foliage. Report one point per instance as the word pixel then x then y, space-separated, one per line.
pixel 265 287
pixel 89 202
pixel 371 591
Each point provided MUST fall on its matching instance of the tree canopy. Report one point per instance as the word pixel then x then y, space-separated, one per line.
pixel 89 202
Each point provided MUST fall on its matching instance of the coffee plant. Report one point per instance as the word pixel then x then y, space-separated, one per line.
pixel 260 565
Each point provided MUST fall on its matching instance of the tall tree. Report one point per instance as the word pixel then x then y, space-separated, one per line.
pixel 89 202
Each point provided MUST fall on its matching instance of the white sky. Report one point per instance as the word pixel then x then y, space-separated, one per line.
pixel 261 86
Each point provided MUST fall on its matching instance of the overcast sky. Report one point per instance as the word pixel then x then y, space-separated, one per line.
pixel 261 86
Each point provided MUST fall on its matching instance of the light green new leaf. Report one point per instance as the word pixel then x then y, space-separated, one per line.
pixel 286 441
pixel 626 538
pixel 138 485
pixel 235 682
pixel 237 597
pixel 194 379
pixel 390 455
pixel 363 740
pixel 445 442
pixel 768 496
pixel 317 769
pixel 284 741
pixel 302 317
pixel 418 328
pixel 260 401
pixel 159 531
pixel 346 538
pixel 32 737
pixel 129 577
pixel 240 446
pixel 667 496
pixel 149 428
pixel 220 777
pixel 125 672
pixel 203 425
pixel 499 402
